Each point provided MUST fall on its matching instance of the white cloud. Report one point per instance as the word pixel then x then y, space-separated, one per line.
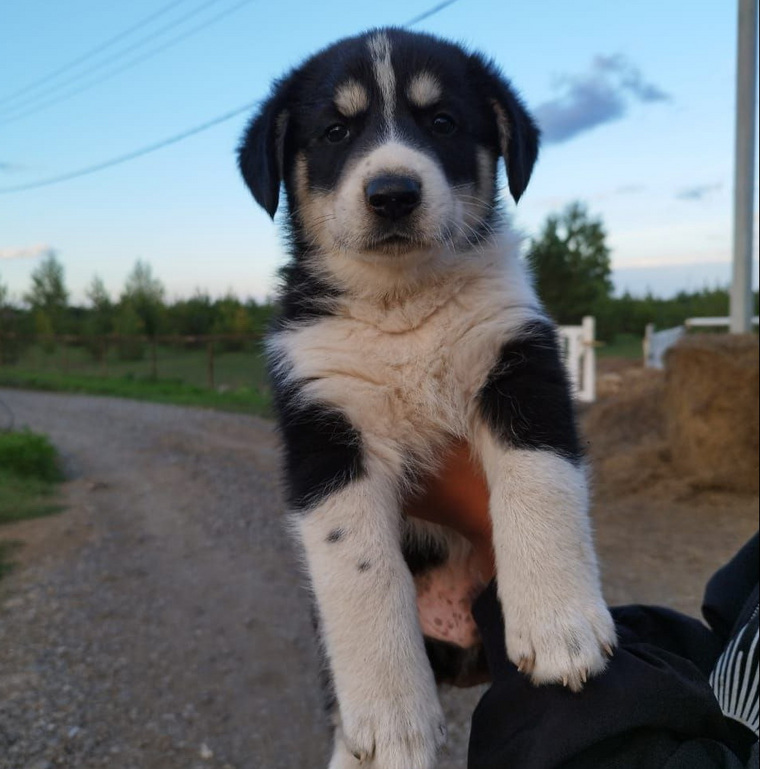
pixel 29 252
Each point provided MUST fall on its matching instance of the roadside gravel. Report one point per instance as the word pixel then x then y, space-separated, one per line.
pixel 161 622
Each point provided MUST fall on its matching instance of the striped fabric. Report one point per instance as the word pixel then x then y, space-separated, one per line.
pixel 735 676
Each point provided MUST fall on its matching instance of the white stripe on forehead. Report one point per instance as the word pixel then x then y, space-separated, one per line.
pixel 380 50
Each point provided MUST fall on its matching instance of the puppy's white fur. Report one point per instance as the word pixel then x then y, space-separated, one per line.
pixel 380 49
pixel 388 709
pixel 555 617
pixel 408 344
pixel 405 370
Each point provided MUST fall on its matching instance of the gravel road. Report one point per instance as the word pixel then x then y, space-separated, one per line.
pixel 161 622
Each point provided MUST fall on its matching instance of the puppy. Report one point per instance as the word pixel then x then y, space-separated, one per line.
pixel 408 322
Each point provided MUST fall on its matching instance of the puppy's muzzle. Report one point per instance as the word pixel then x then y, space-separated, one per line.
pixel 392 196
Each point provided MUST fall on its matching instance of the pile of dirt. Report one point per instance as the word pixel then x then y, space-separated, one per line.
pixel 661 529
pixel 695 424
pixel 711 403
pixel 625 434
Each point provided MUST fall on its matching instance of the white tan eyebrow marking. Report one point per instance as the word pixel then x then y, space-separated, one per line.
pixel 380 50
pixel 424 90
pixel 351 98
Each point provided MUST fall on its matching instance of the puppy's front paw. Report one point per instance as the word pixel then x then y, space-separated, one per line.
pixel 561 643
pixel 401 733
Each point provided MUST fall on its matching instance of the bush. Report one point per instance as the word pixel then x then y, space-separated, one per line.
pixel 28 455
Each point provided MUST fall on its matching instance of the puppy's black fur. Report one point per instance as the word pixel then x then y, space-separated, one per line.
pixel 435 120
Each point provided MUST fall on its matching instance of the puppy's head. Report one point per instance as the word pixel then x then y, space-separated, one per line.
pixel 387 145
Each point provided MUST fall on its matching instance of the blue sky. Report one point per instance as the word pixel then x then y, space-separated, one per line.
pixel 636 101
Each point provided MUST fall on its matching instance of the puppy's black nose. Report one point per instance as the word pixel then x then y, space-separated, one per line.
pixel 393 197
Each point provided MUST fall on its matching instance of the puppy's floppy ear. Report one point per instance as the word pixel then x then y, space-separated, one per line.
pixel 517 132
pixel 261 151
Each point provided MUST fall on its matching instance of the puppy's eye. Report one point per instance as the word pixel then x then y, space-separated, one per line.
pixel 336 133
pixel 443 124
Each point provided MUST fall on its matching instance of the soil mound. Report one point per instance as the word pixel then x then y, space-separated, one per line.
pixel 711 404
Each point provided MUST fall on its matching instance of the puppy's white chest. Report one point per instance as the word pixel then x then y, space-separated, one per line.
pixel 387 383
pixel 404 377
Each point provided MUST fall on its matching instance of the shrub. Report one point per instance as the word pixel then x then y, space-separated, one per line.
pixel 26 454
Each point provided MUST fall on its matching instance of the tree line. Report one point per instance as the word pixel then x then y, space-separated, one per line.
pixel 569 258
pixel 140 313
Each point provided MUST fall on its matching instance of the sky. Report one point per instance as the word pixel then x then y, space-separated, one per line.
pixel 636 101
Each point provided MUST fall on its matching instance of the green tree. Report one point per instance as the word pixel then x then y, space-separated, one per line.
pixel 48 296
pixel 192 317
pixel 99 321
pixel 145 295
pixel 570 262
pixel 130 329
pixel 232 318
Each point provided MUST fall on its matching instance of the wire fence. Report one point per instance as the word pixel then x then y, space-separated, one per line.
pixel 216 362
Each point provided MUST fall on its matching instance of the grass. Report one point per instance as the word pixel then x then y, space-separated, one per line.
pixel 623 346
pixel 157 391
pixel 232 370
pixel 29 473
pixel 182 377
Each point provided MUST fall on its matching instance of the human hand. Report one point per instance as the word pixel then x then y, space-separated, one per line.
pixel 457 497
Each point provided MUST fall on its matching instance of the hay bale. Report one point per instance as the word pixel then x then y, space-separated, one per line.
pixel 711 406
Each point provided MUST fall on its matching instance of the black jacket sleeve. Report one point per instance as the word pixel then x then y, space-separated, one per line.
pixel 652 709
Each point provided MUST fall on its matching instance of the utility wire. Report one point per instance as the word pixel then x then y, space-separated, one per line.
pixel 34 108
pixel 427 14
pixel 178 137
pixel 131 155
pixel 92 52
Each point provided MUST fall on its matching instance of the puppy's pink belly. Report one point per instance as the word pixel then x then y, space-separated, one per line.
pixel 444 597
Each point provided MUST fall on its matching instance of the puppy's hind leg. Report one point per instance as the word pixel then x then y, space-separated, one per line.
pixel 347 516
pixel 388 704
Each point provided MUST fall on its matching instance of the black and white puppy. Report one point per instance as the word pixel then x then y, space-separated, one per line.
pixel 408 322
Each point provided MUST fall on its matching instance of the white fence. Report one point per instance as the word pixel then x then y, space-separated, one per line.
pixel 579 348
pixel 657 343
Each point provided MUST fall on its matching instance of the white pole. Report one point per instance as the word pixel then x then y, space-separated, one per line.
pixel 589 358
pixel 744 193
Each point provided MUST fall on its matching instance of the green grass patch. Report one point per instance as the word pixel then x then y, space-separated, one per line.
pixel 28 455
pixel 623 346
pixel 24 497
pixel 246 400
pixel 29 472
pixel 232 369
pixel 181 376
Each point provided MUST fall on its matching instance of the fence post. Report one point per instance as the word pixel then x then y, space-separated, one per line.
pixel 65 354
pixel 647 343
pixel 153 360
pixel 210 348
pixel 103 355
pixel 589 357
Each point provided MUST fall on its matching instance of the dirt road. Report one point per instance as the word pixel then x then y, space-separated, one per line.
pixel 160 623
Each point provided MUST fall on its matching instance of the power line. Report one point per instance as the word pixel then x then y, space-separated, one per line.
pixel 178 137
pixel 130 155
pixel 94 51
pixel 34 108
pixel 427 14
